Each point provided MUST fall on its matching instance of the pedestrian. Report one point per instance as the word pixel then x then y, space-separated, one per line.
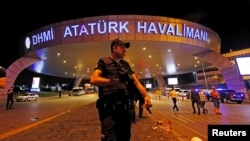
pixel 195 100
pixel 137 97
pixel 140 97
pixel 60 91
pixel 114 78
pixel 10 98
pixel 132 110
pixel 202 101
pixel 216 100
pixel 173 94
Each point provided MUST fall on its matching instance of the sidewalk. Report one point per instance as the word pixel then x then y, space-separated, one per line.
pixel 83 124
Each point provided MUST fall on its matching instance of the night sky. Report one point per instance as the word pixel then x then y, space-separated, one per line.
pixel 230 22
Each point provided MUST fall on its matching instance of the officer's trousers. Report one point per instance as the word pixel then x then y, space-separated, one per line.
pixel 115 122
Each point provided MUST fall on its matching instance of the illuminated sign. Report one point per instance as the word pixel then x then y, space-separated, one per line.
pixel 243 64
pixel 77 29
pixel 142 27
pixel 35 82
pixel 173 81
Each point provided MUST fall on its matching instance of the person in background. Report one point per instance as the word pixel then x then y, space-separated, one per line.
pixel 132 109
pixel 173 94
pixel 195 100
pixel 202 101
pixel 140 97
pixel 60 91
pixel 10 98
pixel 216 100
pixel 114 78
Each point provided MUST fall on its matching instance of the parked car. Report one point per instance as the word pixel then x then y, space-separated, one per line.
pixel 166 91
pixel 230 96
pixel 89 90
pixel 77 91
pixel 183 93
pixel 29 96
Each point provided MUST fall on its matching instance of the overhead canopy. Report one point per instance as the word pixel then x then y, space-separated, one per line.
pixel 158 45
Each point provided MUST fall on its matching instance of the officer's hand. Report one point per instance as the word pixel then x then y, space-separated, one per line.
pixel 147 100
pixel 148 106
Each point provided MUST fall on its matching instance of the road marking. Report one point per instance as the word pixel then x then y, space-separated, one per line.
pixel 18 130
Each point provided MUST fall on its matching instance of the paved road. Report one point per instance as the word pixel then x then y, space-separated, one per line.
pixel 189 125
pixel 75 118
pixel 78 120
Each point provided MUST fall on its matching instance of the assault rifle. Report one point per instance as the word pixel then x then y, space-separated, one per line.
pixel 129 82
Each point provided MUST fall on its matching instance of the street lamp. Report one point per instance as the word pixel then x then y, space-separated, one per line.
pixel 204 75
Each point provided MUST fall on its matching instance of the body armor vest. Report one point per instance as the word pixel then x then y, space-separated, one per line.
pixel 111 71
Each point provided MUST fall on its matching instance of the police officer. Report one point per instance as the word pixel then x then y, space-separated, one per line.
pixel 114 76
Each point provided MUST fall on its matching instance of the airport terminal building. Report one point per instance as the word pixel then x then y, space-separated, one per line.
pixel 160 46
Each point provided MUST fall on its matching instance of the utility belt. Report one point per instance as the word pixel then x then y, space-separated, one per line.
pixel 114 105
pixel 111 91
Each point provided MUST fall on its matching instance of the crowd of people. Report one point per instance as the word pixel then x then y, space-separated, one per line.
pixel 198 100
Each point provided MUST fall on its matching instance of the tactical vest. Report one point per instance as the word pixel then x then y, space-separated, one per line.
pixel 111 71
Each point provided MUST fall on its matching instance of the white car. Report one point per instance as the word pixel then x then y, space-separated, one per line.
pixel 28 97
pixel 184 93
pixel 77 91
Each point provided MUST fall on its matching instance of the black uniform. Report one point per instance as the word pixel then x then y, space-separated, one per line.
pixel 114 103
pixel 195 100
pixel 10 99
